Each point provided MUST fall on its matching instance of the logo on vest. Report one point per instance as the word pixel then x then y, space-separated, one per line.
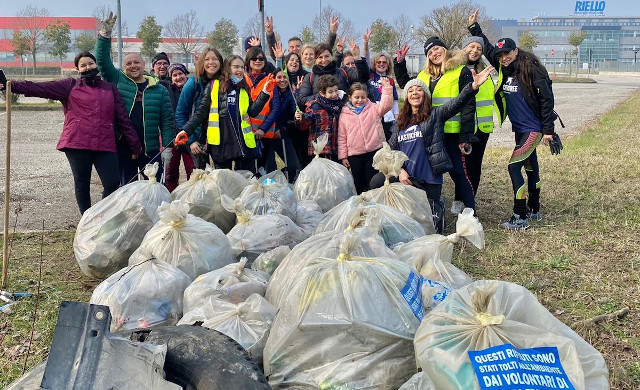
pixel 410 134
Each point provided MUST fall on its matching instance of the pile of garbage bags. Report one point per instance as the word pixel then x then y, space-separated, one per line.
pixel 323 288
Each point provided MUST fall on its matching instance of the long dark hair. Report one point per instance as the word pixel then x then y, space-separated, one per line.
pixel 253 53
pixel 226 83
pixel 406 116
pixel 528 65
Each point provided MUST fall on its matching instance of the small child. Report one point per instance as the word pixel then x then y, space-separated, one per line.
pixel 321 115
pixel 360 132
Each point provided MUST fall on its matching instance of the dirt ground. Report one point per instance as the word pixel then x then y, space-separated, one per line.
pixel 42 186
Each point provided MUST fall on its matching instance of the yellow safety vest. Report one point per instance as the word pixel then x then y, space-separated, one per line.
pixel 503 101
pixel 446 89
pixel 484 107
pixel 213 130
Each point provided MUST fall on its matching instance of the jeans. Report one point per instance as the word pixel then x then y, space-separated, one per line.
pixel 129 168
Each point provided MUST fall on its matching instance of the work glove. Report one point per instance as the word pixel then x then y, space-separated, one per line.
pixel 555 144
pixel 107 25
pixel 166 155
pixel 181 138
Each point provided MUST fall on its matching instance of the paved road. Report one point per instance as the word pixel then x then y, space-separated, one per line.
pixel 42 185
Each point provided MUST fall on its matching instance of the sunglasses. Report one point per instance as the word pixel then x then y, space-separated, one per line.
pixel 258 59
pixel 382 62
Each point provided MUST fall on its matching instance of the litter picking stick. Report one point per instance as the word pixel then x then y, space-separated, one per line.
pixel 286 163
pixel 7 174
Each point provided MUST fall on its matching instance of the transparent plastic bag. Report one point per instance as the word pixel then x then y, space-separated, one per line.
pixel 323 181
pixel 409 200
pixel 308 216
pixel 489 313
pixel 247 322
pixel 419 381
pixel 274 176
pixel 395 227
pixel 143 295
pixel 113 228
pixel 232 283
pixel 269 261
pixel 326 244
pixel 203 191
pixel 185 241
pixel 256 234
pixel 269 197
pixel 345 324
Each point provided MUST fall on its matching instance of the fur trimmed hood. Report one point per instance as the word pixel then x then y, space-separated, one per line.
pixel 457 58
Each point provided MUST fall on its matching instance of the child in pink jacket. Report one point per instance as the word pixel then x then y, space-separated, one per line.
pixel 360 132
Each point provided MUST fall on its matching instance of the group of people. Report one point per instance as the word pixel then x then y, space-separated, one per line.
pixel 239 112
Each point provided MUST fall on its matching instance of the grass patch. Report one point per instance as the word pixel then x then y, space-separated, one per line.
pixel 581 260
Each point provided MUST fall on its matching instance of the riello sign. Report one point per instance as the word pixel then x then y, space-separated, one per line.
pixel 589 8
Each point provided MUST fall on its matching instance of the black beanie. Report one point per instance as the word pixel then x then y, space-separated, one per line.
pixel 158 57
pixel 433 41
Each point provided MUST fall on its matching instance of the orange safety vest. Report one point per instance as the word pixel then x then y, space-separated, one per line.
pixel 255 92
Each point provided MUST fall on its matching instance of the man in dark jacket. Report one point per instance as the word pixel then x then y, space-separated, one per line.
pixel 147 102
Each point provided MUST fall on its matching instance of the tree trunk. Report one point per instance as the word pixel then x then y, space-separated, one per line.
pixel 33 55
pixel 61 68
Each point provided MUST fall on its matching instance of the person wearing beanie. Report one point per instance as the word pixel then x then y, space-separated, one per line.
pixel 419 133
pixel 524 94
pixel 160 64
pixel 445 73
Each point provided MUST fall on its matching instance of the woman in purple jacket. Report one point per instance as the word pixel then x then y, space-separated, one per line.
pixel 93 110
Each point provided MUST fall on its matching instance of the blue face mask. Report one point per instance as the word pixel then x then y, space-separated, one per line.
pixel 235 79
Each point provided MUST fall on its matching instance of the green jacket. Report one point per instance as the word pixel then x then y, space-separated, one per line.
pixel 157 114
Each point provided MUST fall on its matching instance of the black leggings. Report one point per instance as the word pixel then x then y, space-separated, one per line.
pixel 474 159
pixel 81 162
pixel 524 155
pixel 362 170
pixel 459 174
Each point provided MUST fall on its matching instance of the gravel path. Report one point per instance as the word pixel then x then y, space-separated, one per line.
pixel 42 185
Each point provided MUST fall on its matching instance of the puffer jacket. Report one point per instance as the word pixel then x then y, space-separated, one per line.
pixel 187 104
pixel 156 104
pixel 91 113
pixel 232 144
pixel 433 131
pixel 363 133
pixel 345 78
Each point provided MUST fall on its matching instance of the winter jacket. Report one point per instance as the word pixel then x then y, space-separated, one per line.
pixel 231 145
pixel 189 101
pixel 156 103
pixel 319 120
pixel 286 110
pixel 375 93
pixel 468 111
pixel 91 113
pixel 363 133
pixel 433 131
pixel 174 93
pixel 540 99
pixel 345 78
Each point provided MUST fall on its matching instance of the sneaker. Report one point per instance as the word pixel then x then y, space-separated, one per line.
pixel 457 207
pixel 516 223
pixel 534 216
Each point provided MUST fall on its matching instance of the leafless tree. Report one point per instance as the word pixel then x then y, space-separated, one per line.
pixel 320 25
pixel 186 34
pixel 403 27
pixel 32 25
pixel 253 27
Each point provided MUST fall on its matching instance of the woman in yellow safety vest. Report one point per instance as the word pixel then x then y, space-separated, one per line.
pixel 446 75
pixel 227 104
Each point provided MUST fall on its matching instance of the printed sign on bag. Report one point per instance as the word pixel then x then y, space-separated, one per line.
pixel 505 367
pixel 412 293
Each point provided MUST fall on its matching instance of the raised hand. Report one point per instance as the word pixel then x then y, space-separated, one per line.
pixel 333 26
pixel 255 42
pixel 480 78
pixel 473 18
pixel 107 25
pixel 270 84
pixel 340 44
pixel 366 37
pixel 385 82
pixel 355 49
pixel 277 50
pixel 400 53
pixel 268 25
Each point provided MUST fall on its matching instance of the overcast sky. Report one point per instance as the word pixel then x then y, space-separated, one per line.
pixel 291 15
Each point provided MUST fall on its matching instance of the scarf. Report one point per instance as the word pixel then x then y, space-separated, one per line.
pixel 355 109
pixel 332 106
pixel 322 70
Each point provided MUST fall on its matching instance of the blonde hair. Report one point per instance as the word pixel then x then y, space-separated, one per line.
pixel 389 63
pixel 437 70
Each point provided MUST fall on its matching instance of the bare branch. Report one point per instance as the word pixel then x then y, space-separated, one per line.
pixel 186 34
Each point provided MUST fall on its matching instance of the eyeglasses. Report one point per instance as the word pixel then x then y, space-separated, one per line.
pixel 258 59
pixel 162 64
pixel 382 62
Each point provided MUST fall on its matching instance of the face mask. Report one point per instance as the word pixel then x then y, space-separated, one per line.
pixel 235 79
pixel 90 76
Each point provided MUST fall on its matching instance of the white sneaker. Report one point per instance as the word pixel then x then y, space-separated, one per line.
pixel 457 207
pixel 262 171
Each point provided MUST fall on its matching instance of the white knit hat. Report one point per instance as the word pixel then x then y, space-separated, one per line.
pixel 419 83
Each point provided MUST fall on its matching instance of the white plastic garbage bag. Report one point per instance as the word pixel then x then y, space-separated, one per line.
pixel 256 234
pixel 269 197
pixel 488 314
pixel 419 381
pixel 143 295
pixel 346 324
pixel 410 200
pixel 113 228
pixel 247 322
pixel 326 245
pixel 203 191
pixel 395 227
pixel 232 283
pixel 323 181
pixel 269 261
pixel 308 216
pixel 274 176
pixel 185 241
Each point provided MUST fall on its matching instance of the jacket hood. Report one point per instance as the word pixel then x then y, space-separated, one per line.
pixel 458 57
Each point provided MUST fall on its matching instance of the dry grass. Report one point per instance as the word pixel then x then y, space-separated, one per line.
pixel 582 260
